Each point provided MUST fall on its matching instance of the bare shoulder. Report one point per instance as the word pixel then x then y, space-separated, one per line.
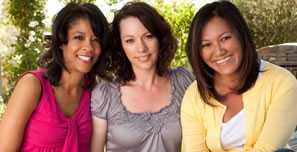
pixel 29 80
pixel 26 92
pixel 21 104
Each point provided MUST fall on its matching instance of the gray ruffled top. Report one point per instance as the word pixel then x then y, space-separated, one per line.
pixel 141 132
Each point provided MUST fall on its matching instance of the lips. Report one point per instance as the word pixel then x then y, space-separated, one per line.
pixel 223 60
pixel 143 58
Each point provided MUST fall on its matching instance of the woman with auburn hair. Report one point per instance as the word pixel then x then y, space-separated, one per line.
pixel 238 102
pixel 139 111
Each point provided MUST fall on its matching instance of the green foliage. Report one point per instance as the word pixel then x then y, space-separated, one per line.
pixel 179 16
pixel 27 17
pixel 271 21
pixel 78 1
pixel 111 2
pixel 2 108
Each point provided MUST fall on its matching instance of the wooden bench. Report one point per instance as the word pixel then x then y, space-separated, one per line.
pixel 284 55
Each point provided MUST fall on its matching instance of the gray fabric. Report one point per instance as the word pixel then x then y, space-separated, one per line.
pixel 141 132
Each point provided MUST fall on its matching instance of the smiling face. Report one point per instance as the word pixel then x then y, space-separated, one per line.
pixel 139 45
pixel 220 47
pixel 82 49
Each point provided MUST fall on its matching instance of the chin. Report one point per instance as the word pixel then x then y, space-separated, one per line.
pixel 231 72
pixel 85 71
pixel 145 66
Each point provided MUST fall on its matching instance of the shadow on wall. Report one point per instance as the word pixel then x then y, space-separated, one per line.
pixel 284 55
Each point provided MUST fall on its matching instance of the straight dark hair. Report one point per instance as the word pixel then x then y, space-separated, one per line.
pixel 249 66
pixel 156 25
pixel 53 59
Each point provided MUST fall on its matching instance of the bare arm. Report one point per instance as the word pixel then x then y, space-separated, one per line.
pixel 99 134
pixel 20 106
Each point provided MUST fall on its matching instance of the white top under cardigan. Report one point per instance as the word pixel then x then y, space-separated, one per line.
pixel 233 132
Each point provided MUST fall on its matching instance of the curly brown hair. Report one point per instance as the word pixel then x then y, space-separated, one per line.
pixel 156 25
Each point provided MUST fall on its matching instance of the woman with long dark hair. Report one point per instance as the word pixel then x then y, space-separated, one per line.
pixel 49 109
pixel 238 102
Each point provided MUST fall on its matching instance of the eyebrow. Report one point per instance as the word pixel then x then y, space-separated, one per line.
pixel 129 35
pixel 80 32
pixel 229 32
pixel 226 33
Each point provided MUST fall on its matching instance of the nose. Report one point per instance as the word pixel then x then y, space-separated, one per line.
pixel 142 46
pixel 219 49
pixel 88 45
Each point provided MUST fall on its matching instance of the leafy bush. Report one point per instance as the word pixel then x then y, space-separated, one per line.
pixel 179 16
pixel 77 1
pixel 2 108
pixel 27 17
pixel 271 21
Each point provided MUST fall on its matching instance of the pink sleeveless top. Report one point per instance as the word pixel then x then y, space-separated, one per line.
pixel 49 130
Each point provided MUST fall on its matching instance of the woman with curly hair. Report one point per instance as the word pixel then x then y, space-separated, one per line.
pixel 139 111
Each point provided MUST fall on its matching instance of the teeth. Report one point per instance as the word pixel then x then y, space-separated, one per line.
pixel 84 58
pixel 223 60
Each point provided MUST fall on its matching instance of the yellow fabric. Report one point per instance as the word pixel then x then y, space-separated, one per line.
pixel 271 114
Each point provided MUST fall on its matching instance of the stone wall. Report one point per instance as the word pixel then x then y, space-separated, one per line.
pixel 284 55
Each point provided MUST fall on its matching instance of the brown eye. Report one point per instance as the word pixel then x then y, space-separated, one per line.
pixel 225 38
pixel 205 45
pixel 96 41
pixel 79 37
pixel 149 36
pixel 129 41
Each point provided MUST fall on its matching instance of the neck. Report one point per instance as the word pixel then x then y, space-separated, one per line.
pixel 146 78
pixel 71 81
pixel 226 84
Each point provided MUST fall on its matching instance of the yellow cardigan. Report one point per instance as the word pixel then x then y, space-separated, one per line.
pixel 271 114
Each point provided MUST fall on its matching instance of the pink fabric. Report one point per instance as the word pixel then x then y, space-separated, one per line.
pixel 49 130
